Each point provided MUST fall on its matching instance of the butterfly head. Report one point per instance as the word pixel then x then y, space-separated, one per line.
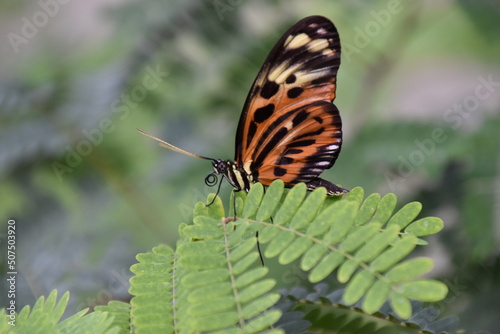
pixel 231 172
pixel 221 166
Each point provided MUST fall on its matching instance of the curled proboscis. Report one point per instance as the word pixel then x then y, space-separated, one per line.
pixel 211 179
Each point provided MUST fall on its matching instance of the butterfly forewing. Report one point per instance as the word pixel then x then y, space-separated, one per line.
pixel 289 128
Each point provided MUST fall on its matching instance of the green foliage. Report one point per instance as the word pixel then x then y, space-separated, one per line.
pixel 214 282
pixel 323 311
pixel 45 316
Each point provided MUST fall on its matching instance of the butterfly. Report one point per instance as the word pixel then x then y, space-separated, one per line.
pixel 289 128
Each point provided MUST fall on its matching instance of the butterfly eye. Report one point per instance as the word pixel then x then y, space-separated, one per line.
pixel 211 179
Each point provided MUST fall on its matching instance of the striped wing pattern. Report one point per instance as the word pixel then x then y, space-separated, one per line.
pixel 289 128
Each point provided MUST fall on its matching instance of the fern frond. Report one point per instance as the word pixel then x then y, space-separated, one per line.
pixel 364 241
pixel 326 313
pixel 152 287
pixel 217 290
pixel 120 312
pixel 45 316
pixel 213 282
pixel 93 323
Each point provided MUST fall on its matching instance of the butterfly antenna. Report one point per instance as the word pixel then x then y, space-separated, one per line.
pixel 173 148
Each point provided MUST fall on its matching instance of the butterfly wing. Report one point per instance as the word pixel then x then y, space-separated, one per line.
pixel 289 129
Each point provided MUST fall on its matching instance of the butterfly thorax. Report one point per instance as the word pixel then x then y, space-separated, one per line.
pixel 236 175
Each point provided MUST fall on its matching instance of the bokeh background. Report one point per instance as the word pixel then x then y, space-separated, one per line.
pixel 418 90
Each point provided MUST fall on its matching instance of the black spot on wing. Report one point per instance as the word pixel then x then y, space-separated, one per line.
pixel 321 80
pixel 278 171
pixel 293 151
pixel 294 92
pixel 318 119
pixel 312 133
pixel 284 161
pixel 302 143
pixel 280 134
pixel 263 113
pixel 269 89
pixel 300 117
pixel 251 131
pixel 291 79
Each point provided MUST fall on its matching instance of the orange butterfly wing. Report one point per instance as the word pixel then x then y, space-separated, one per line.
pixel 289 129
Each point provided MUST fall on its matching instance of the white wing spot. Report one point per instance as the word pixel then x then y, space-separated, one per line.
pixel 318 45
pixel 308 76
pixel 298 41
pixel 321 31
pixel 328 52
pixel 276 72
pixel 288 40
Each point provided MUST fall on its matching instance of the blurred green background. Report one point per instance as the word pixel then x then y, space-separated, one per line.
pixel 418 91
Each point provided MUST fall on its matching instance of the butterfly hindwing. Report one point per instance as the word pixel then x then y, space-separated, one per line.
pixel 289 129
pixel 303 145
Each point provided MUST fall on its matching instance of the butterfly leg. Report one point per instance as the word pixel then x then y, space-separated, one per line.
pixel 331 189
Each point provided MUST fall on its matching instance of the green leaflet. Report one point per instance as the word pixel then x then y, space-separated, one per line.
pixel 258 289
pixel 244 263
pixel 346 270
pixel 358 286
pixel 401 305
pixel 270 201
pixel 214 321
pixel 276 246
pixel 200 278
pixel 251 276
pixel 206 221
pixel 367 209
pixel 359 236
pixel 196 232
pixel 211 306
pixel 384 209
pixel 398 251
pixel 200 209
pixel 355 195
pixel 341 221
pixel 234 239
pixel 308 209
pixel 253 200
pixel 292 202
pixel 216 209
pixel 326 266
pixel 244 248
pixel 264 321
pixel 376 296
pixel 296 249
pixel 406 215
pixel 312 256
pixel 425 226
pixel 259 305
pixel 200 247
pixel 268 233
pixel 377 244
pixel 240 200
pixel 425 290
pixel 202 262
pixel 409 270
